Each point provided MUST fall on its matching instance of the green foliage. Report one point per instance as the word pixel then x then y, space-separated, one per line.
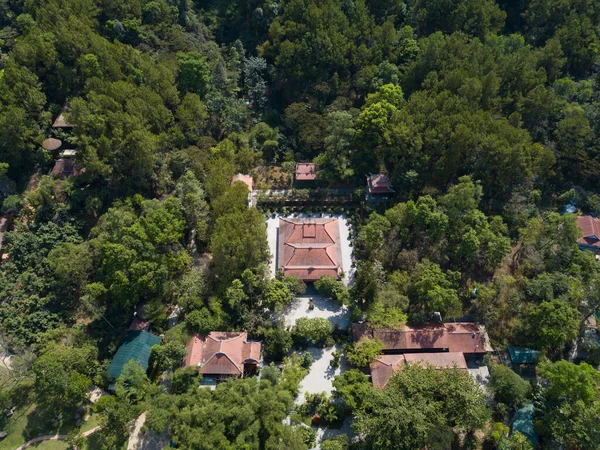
pixel 433 291
pixel 411 412
pixel 508 387
pixel 316 331
pixel 554 324
pixel 365 352
pixel 340 442
pixel 167 356
pixel 330 287
pixel 277 343
pixel 277 295
pixel 245 412
pixel 571 403
pixel 138 255
pixel 203 320
pixel 194 73
pixel 239 242
pixel 353 386
pixel 62 371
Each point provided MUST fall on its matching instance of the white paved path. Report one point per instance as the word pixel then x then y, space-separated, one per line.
pixel 320 376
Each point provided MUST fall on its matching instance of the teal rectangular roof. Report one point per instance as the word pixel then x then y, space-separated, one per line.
pixel 136 346
pixel 522 355
pixel 523 423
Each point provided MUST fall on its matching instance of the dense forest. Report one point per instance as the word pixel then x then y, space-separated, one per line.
pixel 485 115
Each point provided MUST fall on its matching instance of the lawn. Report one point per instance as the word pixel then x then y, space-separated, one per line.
pixel 25 425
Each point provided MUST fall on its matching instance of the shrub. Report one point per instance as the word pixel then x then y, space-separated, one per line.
pixel 508 387
pixel 314 331
pixel 365 352
pixel 307 360
pixel 335 362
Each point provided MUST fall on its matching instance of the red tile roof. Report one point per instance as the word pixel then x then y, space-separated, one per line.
pixel 384 367
pixel 309 248
pixel 464 337
pixel 221 353
pixel 591 231
pixel 247 179
pixel 306 172
pixel 379 184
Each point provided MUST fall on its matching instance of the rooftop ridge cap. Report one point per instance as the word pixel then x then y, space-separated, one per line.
pixel 219 353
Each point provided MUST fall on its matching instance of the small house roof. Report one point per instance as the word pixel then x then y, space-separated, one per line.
pixel 590 227
pixel 523 423
pixel 61 120
pixel 379 183
pixel 68 153
pixel 522 355
pixel 306 171
pixel 136 346
pixel 221 353
pixel 51 144
pixel 65 167
pixel 464 337
pixel 247 179
pixel 385 366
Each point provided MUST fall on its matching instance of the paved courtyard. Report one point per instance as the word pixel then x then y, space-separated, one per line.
pixel 321 374
pixel 325 308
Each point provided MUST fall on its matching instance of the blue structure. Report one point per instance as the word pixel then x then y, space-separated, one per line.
pixel 522 355
pixel 523 423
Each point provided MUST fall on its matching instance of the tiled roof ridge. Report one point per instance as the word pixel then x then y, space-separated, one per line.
pixel 239 334
pixel 226 356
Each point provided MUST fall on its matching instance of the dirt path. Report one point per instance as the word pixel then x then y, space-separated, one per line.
pixel 53 437
pixel 134 434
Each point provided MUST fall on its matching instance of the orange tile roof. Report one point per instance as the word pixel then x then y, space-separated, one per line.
pixel 306 171
pixel 221 353
pixel 591 231
pixel 464 337
pixel 309 248
pixel 384 367
pixel 379 183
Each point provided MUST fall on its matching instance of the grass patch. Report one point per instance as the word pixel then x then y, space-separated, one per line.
pixel 26 424
pixel 92 422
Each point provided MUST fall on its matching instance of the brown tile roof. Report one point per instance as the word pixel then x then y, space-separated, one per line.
pixel 247 179
pixel 384 367
pixel 591 231
pixel 309 248
pixel 61 120
pixel 139 325
pixel 221 353
pixel 464 337
pixel 379 184
pixel 306 171
pixel 65 167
